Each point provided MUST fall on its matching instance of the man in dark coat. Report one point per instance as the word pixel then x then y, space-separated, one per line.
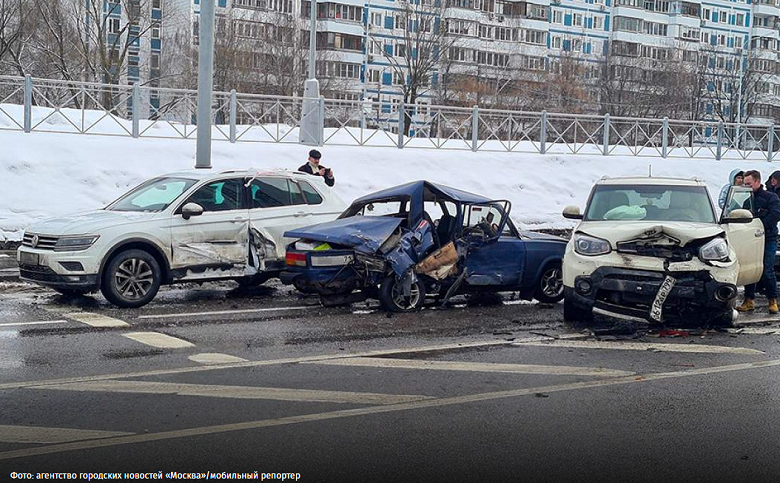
pixel 766 207
pixel 313 167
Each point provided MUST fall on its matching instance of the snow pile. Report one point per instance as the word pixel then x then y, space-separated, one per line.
pixel 46 174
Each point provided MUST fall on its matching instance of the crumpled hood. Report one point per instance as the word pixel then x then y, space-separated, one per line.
pixel 88 222
pixel 625 231
pixel 535 235
pixel 366 232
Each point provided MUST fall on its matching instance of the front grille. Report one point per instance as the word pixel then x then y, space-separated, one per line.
pixel 39 273
pixel 45 242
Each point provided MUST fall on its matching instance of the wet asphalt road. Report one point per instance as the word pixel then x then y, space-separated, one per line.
pixel 211 378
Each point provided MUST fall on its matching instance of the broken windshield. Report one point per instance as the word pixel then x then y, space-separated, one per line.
pixel 650 203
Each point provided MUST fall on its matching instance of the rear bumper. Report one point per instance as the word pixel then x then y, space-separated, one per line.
pixel 632 292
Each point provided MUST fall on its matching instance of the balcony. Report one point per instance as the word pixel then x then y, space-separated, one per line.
pixel 769 10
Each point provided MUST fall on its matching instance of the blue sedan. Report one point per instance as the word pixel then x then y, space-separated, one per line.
pixel 420 240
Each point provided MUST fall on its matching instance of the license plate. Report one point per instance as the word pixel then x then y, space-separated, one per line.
pixel 26 258
pixel 656 310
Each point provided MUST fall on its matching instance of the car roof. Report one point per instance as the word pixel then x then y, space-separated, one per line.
pixel 201 174
pixel 422 190
pixel 651 180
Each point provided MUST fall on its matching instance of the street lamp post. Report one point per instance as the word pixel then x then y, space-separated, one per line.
pixel 311 128
pixel 205 83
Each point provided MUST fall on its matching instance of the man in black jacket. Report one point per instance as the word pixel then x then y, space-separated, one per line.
pixel 313 167
pixel 767 209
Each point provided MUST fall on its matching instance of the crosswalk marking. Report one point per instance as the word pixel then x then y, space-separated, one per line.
pixel 641 346
pixel 39 322
pixel 156 339
pixel 213 358
pixel 236 392
pixel 41 435
pixel 473 367
pixel 96 320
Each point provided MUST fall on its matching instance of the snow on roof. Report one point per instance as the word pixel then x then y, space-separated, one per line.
pixel 647 180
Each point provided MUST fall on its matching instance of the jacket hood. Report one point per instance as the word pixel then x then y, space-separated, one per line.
pixel 734 174
pixel 364 233
pixel 685 232
pixel 768 184
pixel 88 222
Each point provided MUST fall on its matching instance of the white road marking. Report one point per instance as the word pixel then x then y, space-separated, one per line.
pixel 765 320
pixel 237 392
pixel 96 320
pixel 429 403
pixel 271 362
pixel 156 339
pixel 642 346
pixel 41 322
pixel 755 330
pixel 473 367
pixel 41 435
pixel 213 358
pixel 224 312
pixel 617 315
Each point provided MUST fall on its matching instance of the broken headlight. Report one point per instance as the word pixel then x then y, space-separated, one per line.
pixel 590 245
pixel 715 250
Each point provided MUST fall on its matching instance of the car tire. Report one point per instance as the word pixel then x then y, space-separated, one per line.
pixel 573 313
pixel 549 287
pixel 71 292
pixel 393 301
pixel 131 279
pixel 254 280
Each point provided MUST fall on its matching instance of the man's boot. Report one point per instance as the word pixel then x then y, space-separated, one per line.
pixel 747 306
pixel 773 306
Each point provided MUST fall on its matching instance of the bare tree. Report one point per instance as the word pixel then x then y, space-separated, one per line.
pixel 16 28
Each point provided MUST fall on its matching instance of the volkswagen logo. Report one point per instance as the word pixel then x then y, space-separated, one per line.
pixel 35 241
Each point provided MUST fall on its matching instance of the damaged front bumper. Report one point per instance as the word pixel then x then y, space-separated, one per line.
pixel 632 292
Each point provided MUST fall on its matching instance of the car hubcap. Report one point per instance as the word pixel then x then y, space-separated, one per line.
pixel 552 282
pixel 134 278
pixel 403 302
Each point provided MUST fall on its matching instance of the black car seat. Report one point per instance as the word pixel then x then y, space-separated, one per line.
pixel 445 228
pixel 434 233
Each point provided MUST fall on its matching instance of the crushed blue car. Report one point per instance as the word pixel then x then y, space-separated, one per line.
pixel 418 240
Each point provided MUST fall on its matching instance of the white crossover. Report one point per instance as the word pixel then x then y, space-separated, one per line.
pixel 179 227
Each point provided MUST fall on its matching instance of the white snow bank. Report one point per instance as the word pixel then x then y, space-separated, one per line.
pixel 47 174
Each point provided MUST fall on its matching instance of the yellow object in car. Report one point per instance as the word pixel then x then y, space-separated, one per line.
pixel 323 247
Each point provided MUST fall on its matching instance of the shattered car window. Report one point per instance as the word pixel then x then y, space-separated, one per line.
pixel 154 195
pixel 651 203
pixel 384 208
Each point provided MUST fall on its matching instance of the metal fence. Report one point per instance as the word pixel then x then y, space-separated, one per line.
pixel 45 105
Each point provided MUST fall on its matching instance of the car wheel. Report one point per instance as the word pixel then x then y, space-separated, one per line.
pixel 393 300
pixel 549 287
pixel 573 313
pixel 71 292
pixel 131 279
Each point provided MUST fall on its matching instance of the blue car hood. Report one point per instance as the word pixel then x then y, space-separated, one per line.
pixel 364 233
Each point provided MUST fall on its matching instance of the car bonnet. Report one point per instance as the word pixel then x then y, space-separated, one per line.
pixel 685 232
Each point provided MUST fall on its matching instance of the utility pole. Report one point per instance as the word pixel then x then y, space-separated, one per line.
pixel 311 128
pixel 205 83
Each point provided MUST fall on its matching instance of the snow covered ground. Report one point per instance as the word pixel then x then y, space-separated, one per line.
pixel 45 174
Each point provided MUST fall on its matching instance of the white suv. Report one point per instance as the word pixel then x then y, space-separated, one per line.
pixel 180 227
pixel 654 247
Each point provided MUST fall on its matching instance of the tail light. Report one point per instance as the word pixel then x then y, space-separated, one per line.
pixel 295 259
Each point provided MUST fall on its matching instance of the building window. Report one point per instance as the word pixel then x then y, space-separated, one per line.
pixel 557 16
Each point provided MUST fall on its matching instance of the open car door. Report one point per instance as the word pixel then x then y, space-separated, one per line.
pixel 745 237
pixel 496 255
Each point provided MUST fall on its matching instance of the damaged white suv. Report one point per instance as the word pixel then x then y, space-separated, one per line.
pixel 180 227
pixel 655 249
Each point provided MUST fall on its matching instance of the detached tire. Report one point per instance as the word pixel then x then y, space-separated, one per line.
pixel 131 279
pixel 572 313
pixel 549 287
pixel 392 299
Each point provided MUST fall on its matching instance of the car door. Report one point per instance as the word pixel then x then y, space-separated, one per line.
pixel 215 243
pixel 747 239
pixel 276 205
pixel 498 260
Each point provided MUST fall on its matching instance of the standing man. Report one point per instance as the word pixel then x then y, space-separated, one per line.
pixel 313 167
pixel 767 209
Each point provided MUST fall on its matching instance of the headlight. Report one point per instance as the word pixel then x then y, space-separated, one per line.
pixel 590 246
pixel 715 250
pixel 75 243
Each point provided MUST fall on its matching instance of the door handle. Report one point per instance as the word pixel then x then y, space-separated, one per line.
pixel 238 220
pixel 302 213
pixel 759 233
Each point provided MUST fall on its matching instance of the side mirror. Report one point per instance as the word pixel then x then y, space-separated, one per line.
pixel 191 209
pixel 572 213
pixel 739 216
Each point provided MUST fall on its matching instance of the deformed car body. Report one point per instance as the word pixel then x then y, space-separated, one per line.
pixel 419 239
pixel 653 249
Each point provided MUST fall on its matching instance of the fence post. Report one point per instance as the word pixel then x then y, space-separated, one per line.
pixel 770 143
pixel 719 146
pixel 605 147
pixel 233 107
pixel 321 119
pixel 543 134
pixel 28 85
pixel 136 109
pixel 665 140
pixel 401 124
pixel 475 128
